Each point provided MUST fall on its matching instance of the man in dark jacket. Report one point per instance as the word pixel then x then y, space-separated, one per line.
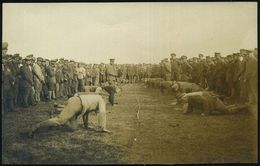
pixel 208 103
pixel 8 81
pixel 26 83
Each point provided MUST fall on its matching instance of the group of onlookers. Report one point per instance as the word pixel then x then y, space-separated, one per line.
pixel 27 81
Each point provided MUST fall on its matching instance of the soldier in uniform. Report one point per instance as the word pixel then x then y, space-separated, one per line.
pixel 96 73
pixel 185 69
pixel 51 80
pixel 210 73
pixel 65 71
pixel 44 92
pixel 130 73
pixel 38 79
pixel 229 75
pixel 81 72
pixel 15 65
pixel 111 72
pixel 59 80
pixel 202 69
pixel 208 103
pixel 219 74
pixel 250 77
pixel 8 82
pixel 243 95
pixel 102 72
pixel 26 83
pixel 176 69
pixel 167 69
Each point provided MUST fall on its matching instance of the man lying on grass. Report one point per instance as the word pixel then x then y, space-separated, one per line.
pixel 208 102
pixel 80 104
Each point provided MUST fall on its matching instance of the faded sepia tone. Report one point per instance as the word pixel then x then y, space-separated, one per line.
pixel 98 83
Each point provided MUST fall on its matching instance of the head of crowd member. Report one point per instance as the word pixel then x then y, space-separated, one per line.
pixel 27 60
pixel 184 58
pixel 166 60
pixel 66 61
pixel 251 54
pixel 52 63
pixel 112 61
pixel 256 53
pixel 61 60
pixel 71 62
pixel 201 56
pixel 33 60
pixel 229 58
pixel 173 56
pixel 217 56
pixel 16 57
pixel 47 62
pixel 39 60
pixel 4 48
pixel 243 52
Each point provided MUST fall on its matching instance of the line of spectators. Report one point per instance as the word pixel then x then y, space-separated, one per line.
pixel 27 81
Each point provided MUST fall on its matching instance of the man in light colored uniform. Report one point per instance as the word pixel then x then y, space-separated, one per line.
pixel 79 104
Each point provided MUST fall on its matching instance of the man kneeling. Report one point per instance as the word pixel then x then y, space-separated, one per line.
pixel 79 104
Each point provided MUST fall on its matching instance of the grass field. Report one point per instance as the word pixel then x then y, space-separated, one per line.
pixel 161 134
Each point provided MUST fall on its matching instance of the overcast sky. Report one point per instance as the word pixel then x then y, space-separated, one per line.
pixel 128 32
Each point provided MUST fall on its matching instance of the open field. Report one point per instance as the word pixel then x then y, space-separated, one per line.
pixel 162 134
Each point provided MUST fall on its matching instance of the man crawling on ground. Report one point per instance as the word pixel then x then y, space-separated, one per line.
pixel 80 104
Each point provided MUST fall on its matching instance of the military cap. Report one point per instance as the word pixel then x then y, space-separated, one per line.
pixel 30 55
pixel 27 58
pixel 52 60
pixel 72 61
pixel 56 60
pixel 43 60
pixel 173 54
pixel 47 60
pixel 201 55
pixel 112 60
pixel 183 57
pixel 244 51
pixel 61 59
pixel 33 58
pixel 15 56
pixel 217 54
pixel 66 60
pixel 4 46
pixel 229 56
pixel 39 59
pixel 207 57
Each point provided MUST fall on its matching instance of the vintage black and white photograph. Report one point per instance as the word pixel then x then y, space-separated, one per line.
pixel 129 83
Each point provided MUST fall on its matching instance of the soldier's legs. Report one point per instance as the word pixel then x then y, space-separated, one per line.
pixel 57 90
pixel 220 106
pixel 25 92
pixel 243 92
pixel 8 104
pixel 252 93
pixel 102 114
pixel 16 92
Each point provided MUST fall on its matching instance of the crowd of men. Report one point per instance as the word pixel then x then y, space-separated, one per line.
pixel 234 76
pixel 27 81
